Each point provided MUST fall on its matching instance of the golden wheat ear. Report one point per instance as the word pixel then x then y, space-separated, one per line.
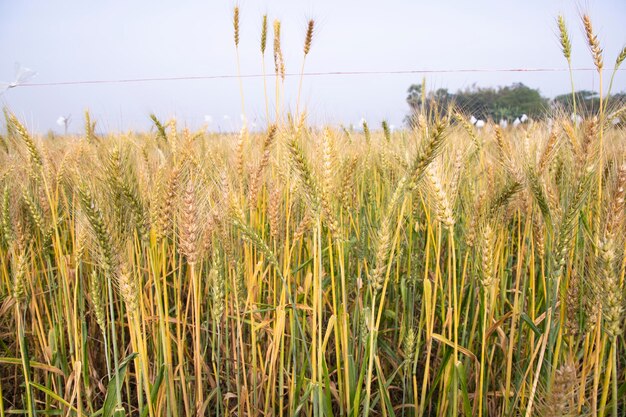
pixel 593 43
pixel 309 37
pixel 236 25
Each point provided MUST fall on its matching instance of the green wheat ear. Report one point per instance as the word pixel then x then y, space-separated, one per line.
pixel 620 57
pixel 90 128
pixel 264 34
pixel 386 130
pixel 566 45
pixel 366 131
pixel 34 153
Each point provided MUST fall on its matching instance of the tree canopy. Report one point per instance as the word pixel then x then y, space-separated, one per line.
pixel 587 102
pixel 485 103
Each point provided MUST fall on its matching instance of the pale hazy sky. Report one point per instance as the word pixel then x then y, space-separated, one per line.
pixel 87 40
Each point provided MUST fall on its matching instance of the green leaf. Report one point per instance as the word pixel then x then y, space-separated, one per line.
pixel 304 399
pixel 109 407
pixel 530 323
pixel 155 390
pixel 467 408
pixel 383 388
pixel 327 400
pixel 51 394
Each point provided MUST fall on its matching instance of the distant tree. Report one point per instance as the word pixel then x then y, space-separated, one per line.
pixel 484 103
pixel 414 97
pixel 431 105
pixel 480 102
pixel 442 97
pixel 588 102
pixel 519 99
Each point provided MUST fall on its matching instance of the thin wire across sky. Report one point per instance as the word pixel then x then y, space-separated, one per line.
pixel 306 74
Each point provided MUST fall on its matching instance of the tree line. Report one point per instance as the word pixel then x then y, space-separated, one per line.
pixel 506 103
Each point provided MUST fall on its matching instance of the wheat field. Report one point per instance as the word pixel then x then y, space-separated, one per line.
pixel 436 270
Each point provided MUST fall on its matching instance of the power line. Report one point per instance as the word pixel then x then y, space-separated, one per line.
pixel 306 74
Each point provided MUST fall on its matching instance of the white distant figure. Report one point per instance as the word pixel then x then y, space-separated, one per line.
pixel 517 122
pixel 550 123
pixel 576 118
pixel 227 123
pixel 473 120
pixel 64 121
pixel 480 124
pixel 208 118
pixel 616 121
pixel 524 118
pixel 22 75
pixel 503 123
